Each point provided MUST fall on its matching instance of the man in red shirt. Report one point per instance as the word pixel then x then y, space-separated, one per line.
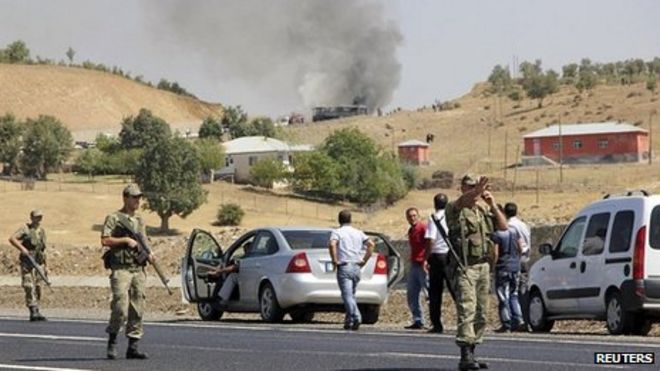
pixel 416 280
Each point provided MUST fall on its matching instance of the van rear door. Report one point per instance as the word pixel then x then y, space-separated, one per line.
pixel 652 256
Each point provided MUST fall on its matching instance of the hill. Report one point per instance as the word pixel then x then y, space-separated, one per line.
pixel 89 101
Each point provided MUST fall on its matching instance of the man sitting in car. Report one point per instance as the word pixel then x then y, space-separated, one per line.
pixel 231 280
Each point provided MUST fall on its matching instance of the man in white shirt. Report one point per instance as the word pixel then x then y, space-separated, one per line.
pixel 436 255
pixel 511 212
pixel 346 245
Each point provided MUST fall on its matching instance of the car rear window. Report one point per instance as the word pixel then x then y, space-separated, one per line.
pixel 654 234
pixel 299 240
pixel 622 231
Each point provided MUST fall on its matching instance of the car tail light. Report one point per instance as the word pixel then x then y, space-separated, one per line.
pixel 638 255
pixel 381 265
pixel 299 264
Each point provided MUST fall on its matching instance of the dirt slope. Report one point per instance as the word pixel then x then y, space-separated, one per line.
pixel 88 101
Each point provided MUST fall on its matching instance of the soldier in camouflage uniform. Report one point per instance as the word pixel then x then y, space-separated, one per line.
pixel 128 278
pixel 30 239
pixel 470 225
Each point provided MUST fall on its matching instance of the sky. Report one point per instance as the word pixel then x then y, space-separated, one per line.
pixel 433 49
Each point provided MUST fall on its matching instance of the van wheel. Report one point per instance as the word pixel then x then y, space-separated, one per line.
pixel 619 321
pixel 641 326
pixel 370 314
pixel 301 316
pixel 269 307
pixel 208 312
pixel 538 316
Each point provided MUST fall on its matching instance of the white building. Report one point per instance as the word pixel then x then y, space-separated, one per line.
pixel 242 153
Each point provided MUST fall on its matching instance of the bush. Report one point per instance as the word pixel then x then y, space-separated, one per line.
pixel 230 214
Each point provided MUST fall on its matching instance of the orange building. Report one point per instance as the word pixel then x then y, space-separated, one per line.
pixel 414 152
pixel 589 143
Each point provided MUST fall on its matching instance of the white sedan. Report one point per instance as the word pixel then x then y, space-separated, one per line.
pixel 287 270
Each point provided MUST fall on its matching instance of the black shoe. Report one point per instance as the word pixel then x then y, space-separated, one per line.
pixel 347 326
pixel 415 326
pixel 435 330
pixel 35 315
pixel 481 364
pixel 132 352
pixel 467 360
pixel 355 326
pixel 112 346
pixel 502 330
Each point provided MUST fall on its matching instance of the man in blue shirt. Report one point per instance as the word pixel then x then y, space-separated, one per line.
pixel 507 278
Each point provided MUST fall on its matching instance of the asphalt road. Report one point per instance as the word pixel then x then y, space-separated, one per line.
pixel 247 345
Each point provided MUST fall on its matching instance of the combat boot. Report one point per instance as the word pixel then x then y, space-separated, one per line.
pixel 481 364
pixel 35 315
pixel 132 352
pixel 467 361
pixel 112 346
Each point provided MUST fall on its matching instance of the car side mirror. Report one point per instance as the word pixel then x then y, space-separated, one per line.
pixel 545 249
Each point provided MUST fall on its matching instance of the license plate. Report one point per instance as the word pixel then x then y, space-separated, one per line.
pixel 328 267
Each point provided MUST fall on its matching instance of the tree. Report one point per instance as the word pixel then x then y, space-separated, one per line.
pixel 70 53
pixel 315 171
pixel 569 73
pixel 142 130
pixel 168 174
pixel 47 143
pixel 262 126
pixel 500 79
pixel 536 83
pixel 210 128
pixel 268 171
pixel 17 52
pixel 10 143
pixel 651 83
pixel 211 156
pixel 234 120
pixel 90 162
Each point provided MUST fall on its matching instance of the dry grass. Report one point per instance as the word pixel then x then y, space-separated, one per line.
pixel 89 101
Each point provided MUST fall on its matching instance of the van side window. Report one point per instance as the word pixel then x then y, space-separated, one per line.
pixel 594 239
pixel 568 246
pixel 654 234
pixel 622 229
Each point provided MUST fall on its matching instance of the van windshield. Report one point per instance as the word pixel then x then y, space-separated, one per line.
pixel 654 233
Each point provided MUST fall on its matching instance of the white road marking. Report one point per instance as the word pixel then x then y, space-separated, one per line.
pixel 51 337
pixel 17 367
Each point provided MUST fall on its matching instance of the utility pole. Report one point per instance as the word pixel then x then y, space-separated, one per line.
pixel 506 149
pixel 651 114
pixel 561 154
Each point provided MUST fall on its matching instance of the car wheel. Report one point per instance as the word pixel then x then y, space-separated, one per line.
pixel 641 326
pixel 268 306
pixel 370 314
pixel 302 316
pixel 538 316
pixel 208 312
pixel 619 321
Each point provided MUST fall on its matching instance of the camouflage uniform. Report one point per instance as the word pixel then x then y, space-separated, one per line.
pixel 34 240
pixel 469 230
pixel 128 278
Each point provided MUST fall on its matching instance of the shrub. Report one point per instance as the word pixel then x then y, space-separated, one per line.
pixel 230 214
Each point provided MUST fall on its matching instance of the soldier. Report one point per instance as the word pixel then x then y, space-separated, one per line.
pixel 128 278
pixel 470 225
pixel 30 239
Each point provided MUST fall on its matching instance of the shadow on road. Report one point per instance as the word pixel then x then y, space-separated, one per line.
pixel 399 369
pixel 68 359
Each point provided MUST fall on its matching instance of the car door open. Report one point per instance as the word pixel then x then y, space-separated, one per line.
pixel 394 263
pixel 202 255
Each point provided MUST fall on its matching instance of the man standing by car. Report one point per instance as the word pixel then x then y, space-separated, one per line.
pixel 345 246
pixel 511 213
pixel 128 278
pixel 416 279
pixel 470 224
pixel 30 239
pixel 436 255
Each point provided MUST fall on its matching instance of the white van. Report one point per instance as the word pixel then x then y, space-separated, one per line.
pixel 606 266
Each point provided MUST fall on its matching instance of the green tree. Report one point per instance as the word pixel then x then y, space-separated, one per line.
pixel 47 143
pixel 500 79
pixel 10 143
pixel 569 73
pixel 234 119
pixel 70 53
pixel 211 156
pixel 267 171
pixel 142 130
pixel 17 52
pixel 536 83
pixel 651 83
pixel 210 128
pixel 168 174
pixel 90 162
pixel 315 171
pixel 261 126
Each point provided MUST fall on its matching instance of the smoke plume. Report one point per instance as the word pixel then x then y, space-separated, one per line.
pixel 288 53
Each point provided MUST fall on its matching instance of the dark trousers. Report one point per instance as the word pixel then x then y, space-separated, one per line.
pixel 438 276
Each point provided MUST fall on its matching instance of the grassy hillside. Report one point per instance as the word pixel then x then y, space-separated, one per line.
pixel 89 101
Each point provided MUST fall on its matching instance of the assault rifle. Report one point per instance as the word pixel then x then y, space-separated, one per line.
pixel 144 254
pixel 38 269
pixel 444 236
